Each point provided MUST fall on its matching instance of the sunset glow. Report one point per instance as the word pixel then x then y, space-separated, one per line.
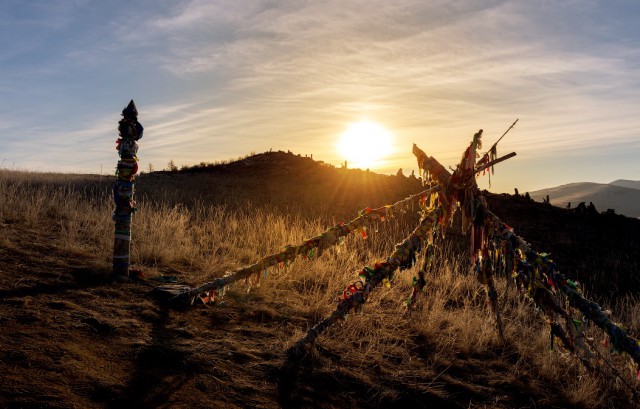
pixel 216 80
pixel 365 144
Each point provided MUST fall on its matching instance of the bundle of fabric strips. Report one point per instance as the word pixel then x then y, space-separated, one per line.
pixel 130 132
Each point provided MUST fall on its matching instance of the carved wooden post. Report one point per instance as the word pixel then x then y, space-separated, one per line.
pixel 130 131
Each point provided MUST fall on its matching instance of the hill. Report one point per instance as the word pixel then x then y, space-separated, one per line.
pixel 619 195
pixel 633 184
pixel 71 338
pixel 288 182
pixel 599 250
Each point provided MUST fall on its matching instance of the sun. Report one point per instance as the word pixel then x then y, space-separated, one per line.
pixel 364 144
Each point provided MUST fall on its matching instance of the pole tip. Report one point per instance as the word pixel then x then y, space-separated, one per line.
pixel 130 111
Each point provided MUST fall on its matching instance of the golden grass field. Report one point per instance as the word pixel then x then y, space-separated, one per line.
pixel 71 338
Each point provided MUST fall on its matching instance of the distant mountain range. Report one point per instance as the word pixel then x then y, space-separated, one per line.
pixel 633 184
pixel 621 195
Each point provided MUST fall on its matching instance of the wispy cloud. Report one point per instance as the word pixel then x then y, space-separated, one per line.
pixel 219 79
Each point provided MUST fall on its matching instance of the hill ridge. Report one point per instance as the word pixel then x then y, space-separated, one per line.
pixel 634 184
pixel 621 199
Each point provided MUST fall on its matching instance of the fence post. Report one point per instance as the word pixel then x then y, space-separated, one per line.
pixel 130 131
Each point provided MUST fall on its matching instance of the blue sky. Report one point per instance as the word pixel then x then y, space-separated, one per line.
pixel 220 79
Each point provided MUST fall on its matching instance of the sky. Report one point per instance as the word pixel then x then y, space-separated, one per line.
pixel 216 80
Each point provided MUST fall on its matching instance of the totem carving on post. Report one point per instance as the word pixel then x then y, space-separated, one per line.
pixel 130 131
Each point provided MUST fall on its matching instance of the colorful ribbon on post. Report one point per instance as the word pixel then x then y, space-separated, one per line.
pixel 490 238
pixel 356 295
pixel 130 131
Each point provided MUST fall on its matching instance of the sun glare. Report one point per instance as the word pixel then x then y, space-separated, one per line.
pixel 365 144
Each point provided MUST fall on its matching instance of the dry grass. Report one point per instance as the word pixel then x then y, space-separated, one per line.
pixel 445 352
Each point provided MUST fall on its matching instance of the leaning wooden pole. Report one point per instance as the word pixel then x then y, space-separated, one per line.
pixel 130 131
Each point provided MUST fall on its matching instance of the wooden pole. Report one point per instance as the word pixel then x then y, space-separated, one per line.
pixel 490 164
pixel 505 132
pixel 130 131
